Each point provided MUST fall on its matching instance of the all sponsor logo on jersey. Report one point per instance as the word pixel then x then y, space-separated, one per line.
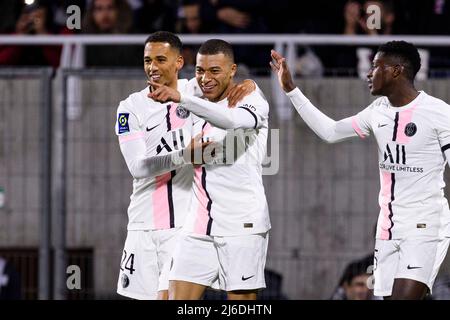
pixel 395 159
pixel 122 121
pixel 410 129
pixel 181 112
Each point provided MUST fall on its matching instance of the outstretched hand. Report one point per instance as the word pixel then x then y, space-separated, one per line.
pixel 163 93
pixel 279 66
pixel 239 91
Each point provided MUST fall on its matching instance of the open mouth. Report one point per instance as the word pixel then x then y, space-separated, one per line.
pixel 208 88
pixel 155 77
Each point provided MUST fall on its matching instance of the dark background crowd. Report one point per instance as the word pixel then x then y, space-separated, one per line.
pixel 344 17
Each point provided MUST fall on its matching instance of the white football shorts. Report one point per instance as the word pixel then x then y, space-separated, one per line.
pixel 145 263
pixel 237 262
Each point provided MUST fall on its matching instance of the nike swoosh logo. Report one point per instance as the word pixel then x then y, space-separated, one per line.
pixel 382 125
pixel 244 278
pixel 151 128
pixel 409 267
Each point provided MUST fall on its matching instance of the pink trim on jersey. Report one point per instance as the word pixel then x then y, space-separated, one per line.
pixel 131 137
pixel 386 183
pixel 404 118
pixel 357 128
pixel 175 121
pixel 202 217
pixel 160 196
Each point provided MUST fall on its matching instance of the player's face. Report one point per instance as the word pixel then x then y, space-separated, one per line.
pixel 380 76
pixel 214 75
pixel 162 63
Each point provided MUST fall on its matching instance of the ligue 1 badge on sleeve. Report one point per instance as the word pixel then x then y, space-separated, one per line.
pixel 123 122
pixel 181 112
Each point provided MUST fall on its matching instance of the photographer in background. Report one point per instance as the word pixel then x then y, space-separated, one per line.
pixel 34 19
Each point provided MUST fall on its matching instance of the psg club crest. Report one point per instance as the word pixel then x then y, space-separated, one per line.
pixel 181 112
pixel 125 281
pixel 410 129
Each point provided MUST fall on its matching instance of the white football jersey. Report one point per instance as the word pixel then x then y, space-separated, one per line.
pixel 229 197
pixel 411 144
pixel 159 202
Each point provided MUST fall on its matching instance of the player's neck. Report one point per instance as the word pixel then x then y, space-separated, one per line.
pixel 226 91
pixel 402 96
pixel 173 85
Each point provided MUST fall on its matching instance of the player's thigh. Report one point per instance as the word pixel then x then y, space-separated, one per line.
pixel 421 258
pixel 185 290
pixel 194 260
pixel 441 253
pixel 418 256
pixel 386 257
pixel 166 241
pixel 242 261
pixel 139 273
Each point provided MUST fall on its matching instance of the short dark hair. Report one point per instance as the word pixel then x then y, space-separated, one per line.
pixel 406 52
pixel 165 36
pixel 216 46
pixel 356 268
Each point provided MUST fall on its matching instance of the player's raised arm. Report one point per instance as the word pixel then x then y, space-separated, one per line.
pixel 326 128
pixel 242 117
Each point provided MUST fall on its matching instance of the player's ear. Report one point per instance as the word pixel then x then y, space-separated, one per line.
pixel 233 70
pixel 180 62
pixel 398 69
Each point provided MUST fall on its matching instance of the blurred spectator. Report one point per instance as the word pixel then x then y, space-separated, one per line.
pixel 195 16
pixel 192 22
pixel 234 16
pixel 110 17
pixel 34 19
pixel 155 15
pixel 9 11
pixel 353 284
pixel 356 17
pixel 308 63
pixel 9 282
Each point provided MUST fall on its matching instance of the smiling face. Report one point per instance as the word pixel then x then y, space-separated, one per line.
pixel 214 75
pixel 382 75
pixel 162 63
